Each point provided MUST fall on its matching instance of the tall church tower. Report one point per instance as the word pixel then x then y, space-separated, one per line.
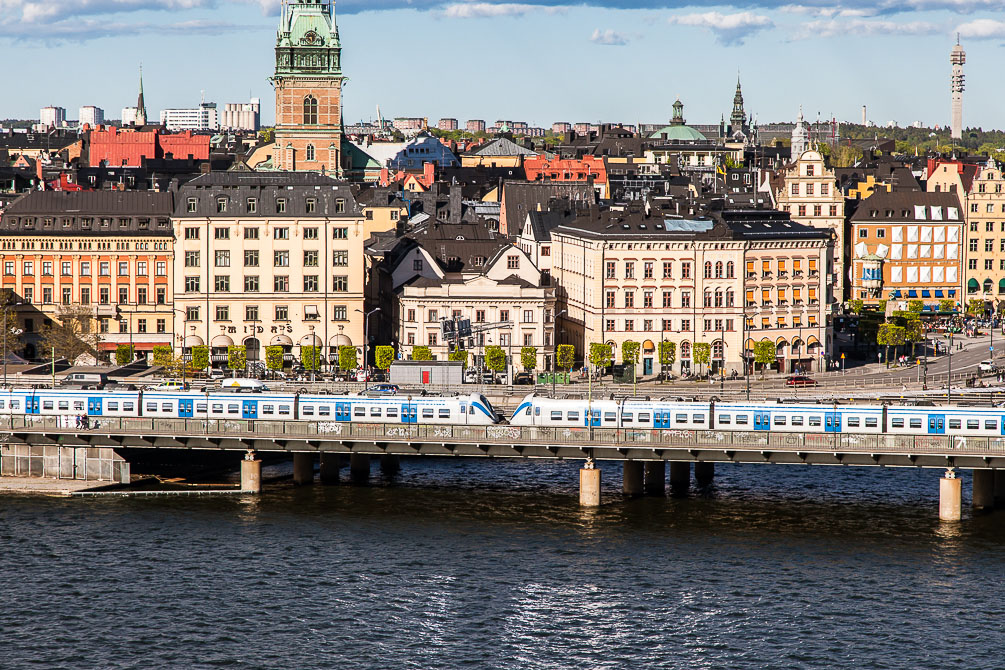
pixel 308 83
pixel 957 58
pixel 738 119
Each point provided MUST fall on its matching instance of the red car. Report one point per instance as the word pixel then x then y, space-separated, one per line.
pixel 799 380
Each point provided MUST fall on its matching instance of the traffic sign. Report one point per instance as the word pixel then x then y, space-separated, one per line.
pixel 842 355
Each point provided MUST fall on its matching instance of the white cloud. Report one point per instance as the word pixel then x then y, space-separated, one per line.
pixel 828 12
pixel 481 10
pixel 728 28
pixel 609 38
pixel 864 27
pixel 982 29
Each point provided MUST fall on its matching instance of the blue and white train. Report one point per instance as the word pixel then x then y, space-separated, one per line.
pixel 776 417
pixel 472 409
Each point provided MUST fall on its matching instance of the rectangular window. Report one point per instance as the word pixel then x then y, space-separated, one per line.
pixel 311 206
pixel 340 258
pixel 192 204
pixel 251 312
pixel 281 233
pixel 340 233
pixel 85 295
pixel 251 259
pixel 251 284
pixel 281 259
pixel 222 313
pixel 221 233
pixel 191 284
pixel 161 295
pixel 123 295
pixel 341 313
pixel 340 283
pixel 162 269
pixel 65 268
pixel 223 258
pixel 280 205
pixel 282 313
pixel 310 283
pixel 251 233
pixel 191 313
pixel 281 284
pixel 310 233
pixel 191 233
pixel 85 269
pixel 221 283
pixel 611 270
pixel 310 259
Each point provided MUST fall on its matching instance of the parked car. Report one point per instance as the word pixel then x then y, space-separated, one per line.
pixel 384 389
pixel 800 380
pixel 215 373
pixel 987 366
pixel 87 380
pixel 243 385
pixel 169 385
pixel 377 376
pixel 488 378
pixel 523 378
pixel 471 376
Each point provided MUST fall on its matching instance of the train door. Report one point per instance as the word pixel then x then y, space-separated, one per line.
pixel 762 421
pixel 593 418
pixel 343 411
pixel 936 424
pixel 661 419
pixel 832 422
pixel 249 409
pixel 31 404
pixel 93 406
pixel 185 408
pixel 408 414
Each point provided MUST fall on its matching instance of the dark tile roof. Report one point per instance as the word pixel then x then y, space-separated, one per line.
pixel 899 206
pixel 296 188
pixel 89 212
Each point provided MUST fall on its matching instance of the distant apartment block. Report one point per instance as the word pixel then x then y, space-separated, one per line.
pixel 447 124
pixel 561 127
pixel 52 117
pixel 242 116
pixel 410 123
pixel 91 115
pixel 203 117
pixel 582 128
pixel 475 126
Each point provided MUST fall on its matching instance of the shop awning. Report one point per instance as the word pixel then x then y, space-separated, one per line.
pixel 222 341
pixel 952 293
pixel 912 293
pixel 193 341
pixel 938 293
pixel 895 294
pixel 925 293
pixel 282 340
pixel 812 340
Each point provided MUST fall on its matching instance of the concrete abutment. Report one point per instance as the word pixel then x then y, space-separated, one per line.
pixel 589 486
pixel 983 489
pixel 303 468
pixel 656 478
pixel 632 484
pixel 330 464
pixel 251 474
pixel 359 468
pixel 950 497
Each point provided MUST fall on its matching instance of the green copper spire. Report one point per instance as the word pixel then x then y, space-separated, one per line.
pixel 307 42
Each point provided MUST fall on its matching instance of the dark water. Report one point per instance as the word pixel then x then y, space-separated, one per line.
pixel 493 565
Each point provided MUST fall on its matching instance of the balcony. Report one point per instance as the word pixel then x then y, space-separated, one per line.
pixel 783 275
pixel 797 274
pixel 105 310
pixel 814 273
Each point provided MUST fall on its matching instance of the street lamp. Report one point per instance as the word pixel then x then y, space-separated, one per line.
pixel 366 341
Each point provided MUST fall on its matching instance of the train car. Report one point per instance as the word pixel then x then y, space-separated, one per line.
pixel 964 421
pixel 799 418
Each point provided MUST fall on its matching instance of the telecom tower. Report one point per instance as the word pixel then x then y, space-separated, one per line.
pixel 958 57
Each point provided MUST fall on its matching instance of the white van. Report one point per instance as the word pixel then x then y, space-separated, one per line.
pixel 240 385
pixel 92 380
pixel 987 365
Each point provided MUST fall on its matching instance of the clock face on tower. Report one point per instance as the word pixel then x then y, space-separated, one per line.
pixel 311 38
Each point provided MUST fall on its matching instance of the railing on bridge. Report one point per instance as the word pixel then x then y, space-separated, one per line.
pixel 520 436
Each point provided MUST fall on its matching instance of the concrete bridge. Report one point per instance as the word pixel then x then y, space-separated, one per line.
pixel 644 452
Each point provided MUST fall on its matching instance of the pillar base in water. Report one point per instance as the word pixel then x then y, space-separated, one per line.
pixel 984 489
pixel 950 497
pixel 303 469
pixel 251 476
pixel 1000 488
pixel 390 464
pixel 589 487
pixel 704 473
pixel 680 476
pixel 632 478
pixel 359 468
pixel 656 478
pixel 329 468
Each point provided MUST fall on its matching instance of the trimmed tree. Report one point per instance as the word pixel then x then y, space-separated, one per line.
pixel 764 354
pixel 124 354
pixel 495 358
pixel 422 353
pixel 600 355
pixel 916 306
pixel 163 355
pixel 274 358
pixel 856 306
pixel 459 355
pixel 630 352
pixel 528 358
pixel 200 357
pixel 947 305
pixel 347 357
pixel 565 356
pixel 702 353
pixel 890 335
pixel 914 332
pixel 310 358
pixel 384 356
pixel 668 353
pixel 237 357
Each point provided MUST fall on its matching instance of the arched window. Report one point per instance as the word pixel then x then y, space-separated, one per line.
pixel 717 350
pixel 310 110
pixel 987 286
pixel 708 298
pixel 718 270
pixel 729 298
pixel 685 350
pixel 718 298
pixel 708 269
pixel 310 152
pixel 729 270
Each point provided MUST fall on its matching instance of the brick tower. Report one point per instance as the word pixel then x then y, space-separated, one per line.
pixel 308 83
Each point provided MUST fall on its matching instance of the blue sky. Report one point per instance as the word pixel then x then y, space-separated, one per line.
pixel 537 60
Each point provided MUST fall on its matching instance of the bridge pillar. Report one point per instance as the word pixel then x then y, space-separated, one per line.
pixel 589 485
pixel 656 478
pixel 984 489
pixel 329 468
pixel 704 473
pixel 1000 488
pixel 303 468
pixel 632 478
pixel 390 464
pixel 251 474
pixel 359 468
pixel 950 497
pixel 680 477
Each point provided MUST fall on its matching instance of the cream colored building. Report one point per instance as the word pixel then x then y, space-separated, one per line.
pixel 624 276
pixel 269 259
pixel 809 192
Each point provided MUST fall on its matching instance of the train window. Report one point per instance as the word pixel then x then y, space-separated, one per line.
pixel 796 421
pixel 200 407
pixel 392 412
pixel 15 404
pixel 871 422
pixel 815 420
pixel 725 419
pixel 610 416
pixel 324 410
pixel 112 406
pixel 284 409
pixel 973 424
pixel 990 424
pixel 556 416
pixel 234 408
pixel 643 417
pixel 852 421
pixel 741 419
pixel 444 413
pixel 573 416
pixel 64 404
pixel 46 404
pixel 627 417
pixel 359 411
pixel 308 410
pixel 78 405
pixel 166 407
pixel 896 423
pixel 526 412
pixel 955 424
pixel 681 418
pixel 427 413
pixel 915 423
pixel 268 409
pixel 374 411
pixel 698 418
pixel 2 403
pixel 218 407
pixel 151 407
pixel 780 420
pixel 537 411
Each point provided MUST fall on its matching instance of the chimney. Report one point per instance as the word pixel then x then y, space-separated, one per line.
pixel 428 173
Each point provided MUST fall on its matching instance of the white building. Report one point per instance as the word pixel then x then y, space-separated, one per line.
pixel 91 115
pixel 131 116
pixel 203 117
pixel 241 115
pixel 52 117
